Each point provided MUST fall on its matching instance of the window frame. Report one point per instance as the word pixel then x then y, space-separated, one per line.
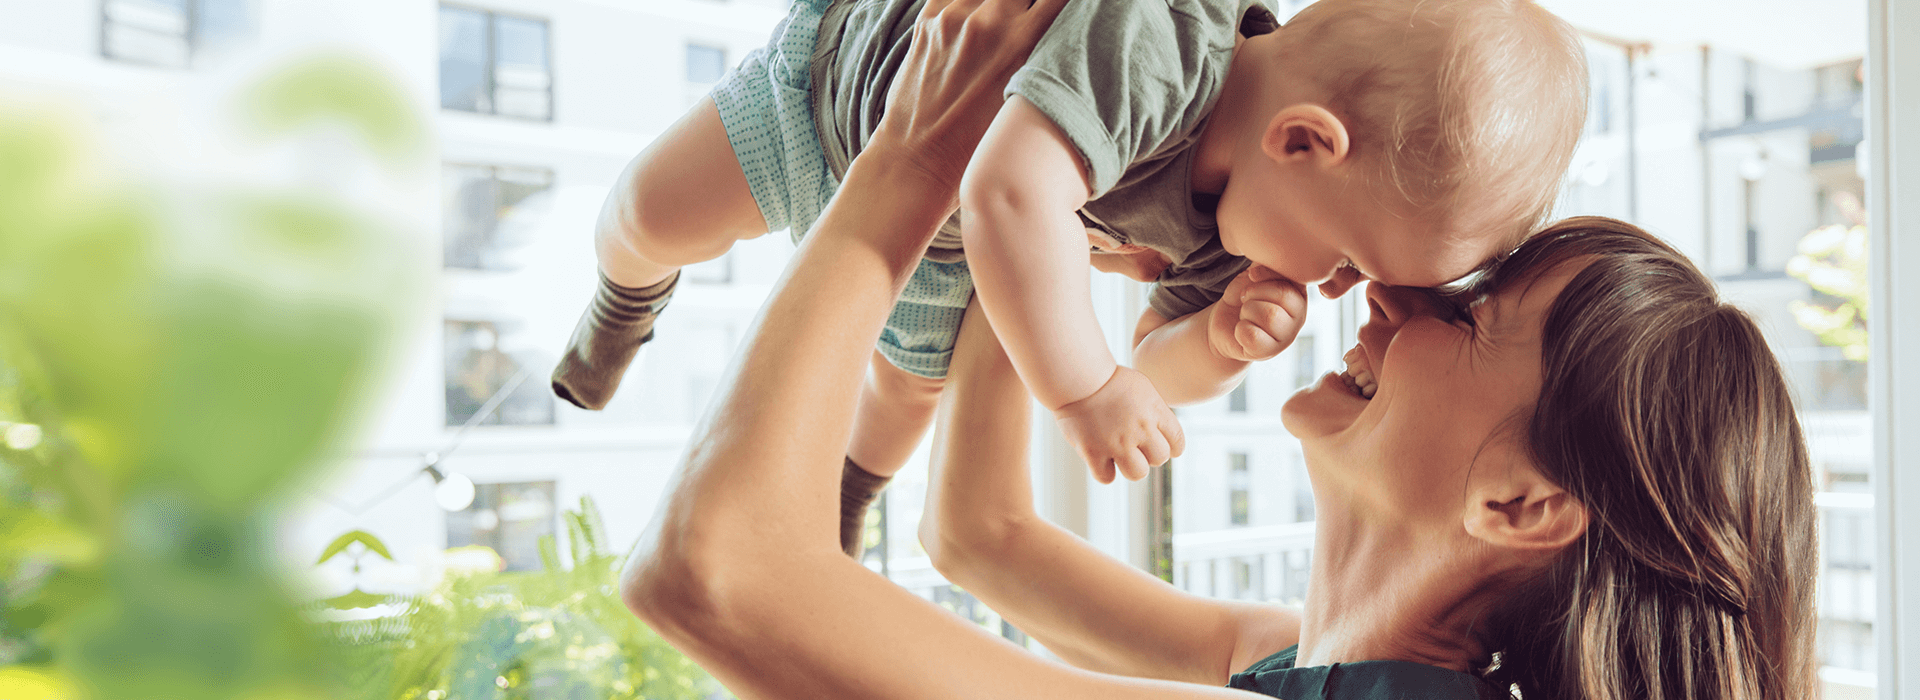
pixel 1893 206
pixel 488 69
pixel 187 35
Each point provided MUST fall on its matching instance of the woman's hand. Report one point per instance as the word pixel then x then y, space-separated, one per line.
pixel 953 81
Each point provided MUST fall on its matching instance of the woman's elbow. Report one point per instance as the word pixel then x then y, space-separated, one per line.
pixel 959 550
pixel 674 590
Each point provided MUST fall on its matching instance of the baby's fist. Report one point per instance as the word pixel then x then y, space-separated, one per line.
pixel 1257 317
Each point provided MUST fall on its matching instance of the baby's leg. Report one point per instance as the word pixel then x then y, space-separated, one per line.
pixel 683 200
pixel 895 409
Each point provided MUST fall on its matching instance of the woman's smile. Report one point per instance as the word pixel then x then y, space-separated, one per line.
pixel 1359 373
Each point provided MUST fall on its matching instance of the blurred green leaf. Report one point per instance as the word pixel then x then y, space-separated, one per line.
pixel 31 533
pixel 355 598
pixel 336 89
pixel 373 544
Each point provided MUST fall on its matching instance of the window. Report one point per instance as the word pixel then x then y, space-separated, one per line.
pixel 705 64
pixel 508 518
pixel 477 369
pixel 494 64
pixel 169 33
pixel 1237 399
pixel 1749 101
pixel 1303 365
pixel 1238 481
pixel 1302 491
pixel 488 211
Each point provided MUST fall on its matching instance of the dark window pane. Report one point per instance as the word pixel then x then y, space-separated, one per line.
pixel 508 518
pixel 463 60
pixel 521 75
pixel 1237 399
pixel 705 64
pixel 470 205
pixel 1238 483
pixel 477 368
pixel 490 211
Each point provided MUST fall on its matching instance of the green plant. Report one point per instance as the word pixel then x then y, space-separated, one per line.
pixel 187 352
pixel 560 632
pixel 1833 261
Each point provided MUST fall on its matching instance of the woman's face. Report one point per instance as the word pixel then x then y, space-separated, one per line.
pixel 1451 386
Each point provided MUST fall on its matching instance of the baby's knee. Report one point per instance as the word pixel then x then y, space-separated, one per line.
pixel 903 389
pixel 672 232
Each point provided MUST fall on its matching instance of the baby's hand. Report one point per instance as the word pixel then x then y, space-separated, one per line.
pixel 1124 425
pixel 1258 316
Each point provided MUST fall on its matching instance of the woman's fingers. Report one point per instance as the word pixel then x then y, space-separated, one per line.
pixel 1039 14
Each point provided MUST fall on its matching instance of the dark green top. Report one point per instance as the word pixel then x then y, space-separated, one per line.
pixel 1363 680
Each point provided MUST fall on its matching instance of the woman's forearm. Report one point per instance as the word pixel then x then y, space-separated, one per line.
pixel 982 533
pixel 808 347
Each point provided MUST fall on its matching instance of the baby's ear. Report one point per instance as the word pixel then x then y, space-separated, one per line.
pixel 1306 131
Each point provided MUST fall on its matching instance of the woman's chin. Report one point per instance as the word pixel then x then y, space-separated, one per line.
pixel 1324 408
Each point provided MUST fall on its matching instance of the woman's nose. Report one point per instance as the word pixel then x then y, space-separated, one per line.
pixel 1392 306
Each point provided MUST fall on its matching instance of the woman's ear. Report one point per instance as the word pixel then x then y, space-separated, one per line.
pixel 1306 132
pixel 1523 511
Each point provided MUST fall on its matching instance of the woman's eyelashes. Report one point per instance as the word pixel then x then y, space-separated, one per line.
pixel 1456 307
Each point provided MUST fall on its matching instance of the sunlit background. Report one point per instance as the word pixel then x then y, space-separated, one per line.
pixel 281 282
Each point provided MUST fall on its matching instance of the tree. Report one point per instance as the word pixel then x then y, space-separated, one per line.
pixel 1833 260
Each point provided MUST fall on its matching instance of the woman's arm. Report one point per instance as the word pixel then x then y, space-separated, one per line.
pixel 1088 608
pixel 740 568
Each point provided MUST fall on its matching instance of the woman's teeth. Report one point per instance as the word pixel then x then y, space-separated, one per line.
pixel 1359 376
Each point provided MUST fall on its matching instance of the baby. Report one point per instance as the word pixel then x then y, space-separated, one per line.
pixel 1194 144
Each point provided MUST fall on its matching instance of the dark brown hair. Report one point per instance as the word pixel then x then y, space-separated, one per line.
pixel 1663 411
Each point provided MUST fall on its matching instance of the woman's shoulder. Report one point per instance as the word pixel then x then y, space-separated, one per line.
pixel 1277 676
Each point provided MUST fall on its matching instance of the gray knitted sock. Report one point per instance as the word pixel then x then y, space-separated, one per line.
pixel 858 488
pixel 609 334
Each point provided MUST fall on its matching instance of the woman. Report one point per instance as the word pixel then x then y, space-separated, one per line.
pixel 1490 456
pixel 1586 482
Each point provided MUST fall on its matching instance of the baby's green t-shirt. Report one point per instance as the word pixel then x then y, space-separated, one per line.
pixel 1129 82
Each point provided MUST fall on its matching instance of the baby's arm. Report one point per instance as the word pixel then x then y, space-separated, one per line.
pixel 1202 355
pixel 1028 254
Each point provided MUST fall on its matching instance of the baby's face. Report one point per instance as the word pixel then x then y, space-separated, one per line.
pixel 1306 230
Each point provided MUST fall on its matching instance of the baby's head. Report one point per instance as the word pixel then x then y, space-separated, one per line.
pixel 1414 138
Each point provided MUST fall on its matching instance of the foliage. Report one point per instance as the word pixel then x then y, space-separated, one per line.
pixel 1833 260
pixel 560 632
pixel 187 354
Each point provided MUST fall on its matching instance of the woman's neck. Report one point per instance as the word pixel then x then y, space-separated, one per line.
pixel 1383 591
